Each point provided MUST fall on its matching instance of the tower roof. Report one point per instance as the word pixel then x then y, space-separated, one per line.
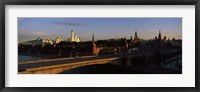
pixel 93 37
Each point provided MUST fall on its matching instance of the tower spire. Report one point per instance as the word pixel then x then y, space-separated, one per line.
pixel 136 38
pixel 126 43
pixel 93 38
pixel 159 36
pixel 135 33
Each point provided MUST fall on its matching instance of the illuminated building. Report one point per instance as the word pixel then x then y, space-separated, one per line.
pixel 58 40
pixel 40 41
pixel 74 37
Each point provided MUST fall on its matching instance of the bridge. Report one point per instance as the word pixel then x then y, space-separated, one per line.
pixel 54 66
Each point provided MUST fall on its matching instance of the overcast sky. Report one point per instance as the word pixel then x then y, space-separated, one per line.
pixel 102 28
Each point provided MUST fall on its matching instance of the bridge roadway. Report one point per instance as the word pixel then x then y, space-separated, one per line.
pixel 52 66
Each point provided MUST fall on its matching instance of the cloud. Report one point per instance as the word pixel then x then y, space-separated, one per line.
pixel 59 27
pixel 154 30
pixel 40 33
pixel 24 35
pixel 70 23
pixel 30 33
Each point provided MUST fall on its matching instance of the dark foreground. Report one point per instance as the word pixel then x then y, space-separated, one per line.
pixel 114 69
pixel 102 69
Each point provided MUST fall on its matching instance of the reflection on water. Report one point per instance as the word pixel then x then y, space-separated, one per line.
pixel 26 58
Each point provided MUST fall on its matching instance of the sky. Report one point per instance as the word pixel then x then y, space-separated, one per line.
pixel 102 28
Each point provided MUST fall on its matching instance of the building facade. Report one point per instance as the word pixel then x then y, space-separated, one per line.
pixel 74 37
pixel 40 41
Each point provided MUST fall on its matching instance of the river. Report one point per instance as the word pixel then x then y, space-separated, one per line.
pixel 26 58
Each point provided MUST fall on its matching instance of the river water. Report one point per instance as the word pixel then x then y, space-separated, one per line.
pixel 26 58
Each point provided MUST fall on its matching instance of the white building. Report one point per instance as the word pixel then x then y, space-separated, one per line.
pixel 58 40
pixel 47 41
pixel 74 37
pixel 40 41
pixel 37 41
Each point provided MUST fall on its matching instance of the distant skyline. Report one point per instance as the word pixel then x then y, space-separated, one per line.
pixel 102 28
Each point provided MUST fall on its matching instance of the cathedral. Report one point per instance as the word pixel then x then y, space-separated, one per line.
pixel 74 37
pixel 136 38
pixel 159 38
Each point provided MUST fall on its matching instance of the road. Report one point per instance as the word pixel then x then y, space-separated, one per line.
pixel 42 63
